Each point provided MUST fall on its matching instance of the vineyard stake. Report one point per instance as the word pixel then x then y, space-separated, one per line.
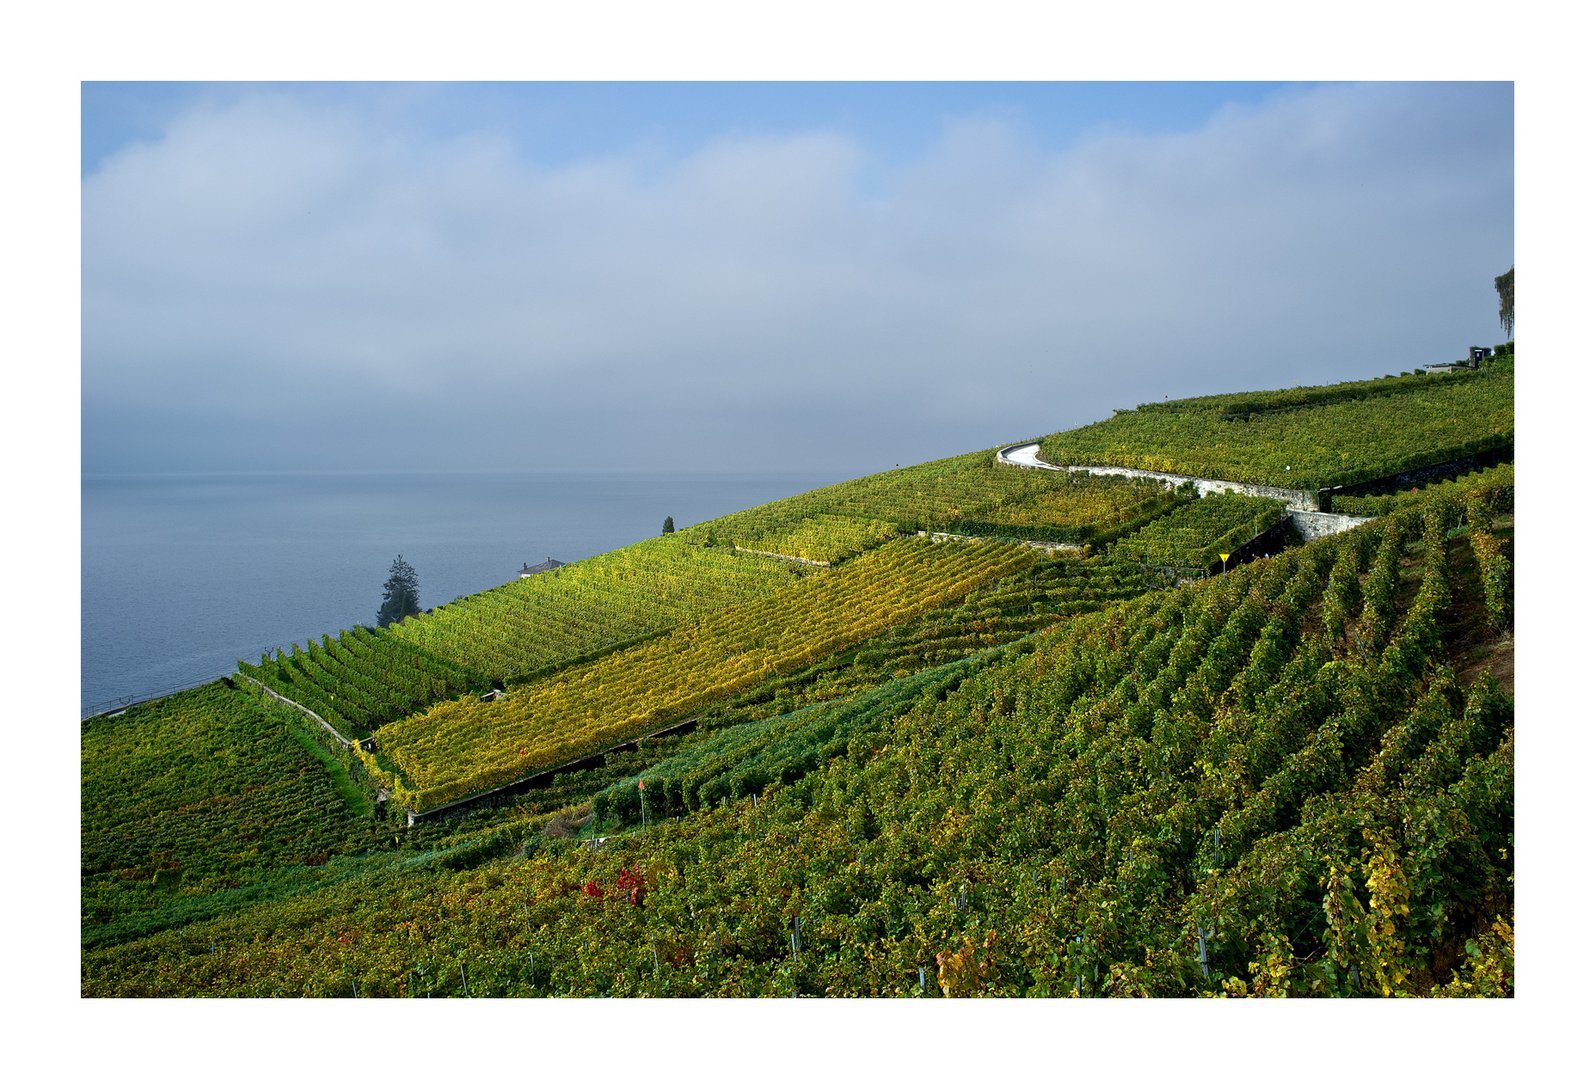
pixel 1202 950
pixel 655 944
pixel 463 984
pixel 719 951
pixel 922 982
pixel 353 988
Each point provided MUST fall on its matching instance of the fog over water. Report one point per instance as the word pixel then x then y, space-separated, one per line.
pixel 305 291
pixel 185 575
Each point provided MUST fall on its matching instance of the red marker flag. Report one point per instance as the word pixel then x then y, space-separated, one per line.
pixel 640 785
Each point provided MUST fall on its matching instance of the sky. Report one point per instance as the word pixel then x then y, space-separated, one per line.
pixel 734 277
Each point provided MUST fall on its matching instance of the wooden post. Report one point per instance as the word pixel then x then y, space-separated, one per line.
pixel 1077 978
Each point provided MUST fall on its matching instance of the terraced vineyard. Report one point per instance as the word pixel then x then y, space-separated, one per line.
pixel 1498 476
pixel 1308 444
pixel 1196 535
pixel 1096 510
pixel 584 607
pixel 1010 608
pixel 932 496
pixel 199 793
pixel 363 679
pixel 824 538
pixel 458 748
pixel 944 768
pixel 1201 763
pixel 746 759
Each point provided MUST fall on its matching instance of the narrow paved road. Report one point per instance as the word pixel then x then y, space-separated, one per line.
pixel 1301 505
pixel 1025 457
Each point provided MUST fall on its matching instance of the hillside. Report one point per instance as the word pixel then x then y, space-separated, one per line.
pixel 1040 751
pixel 1305 437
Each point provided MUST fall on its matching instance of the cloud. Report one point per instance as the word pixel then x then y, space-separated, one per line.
pixel 279 282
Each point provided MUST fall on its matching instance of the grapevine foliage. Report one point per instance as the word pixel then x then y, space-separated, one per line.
pixel 1331 818
pixel 1317 443
pixel 1018 773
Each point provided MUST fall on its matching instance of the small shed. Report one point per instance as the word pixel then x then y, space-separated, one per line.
pixel 546 564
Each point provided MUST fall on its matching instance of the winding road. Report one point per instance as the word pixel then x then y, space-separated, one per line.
pixel 1302 506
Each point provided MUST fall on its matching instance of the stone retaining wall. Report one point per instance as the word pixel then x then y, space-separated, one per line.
pixel 1040 545
pixel 1312 524
pixel 1297 500
pixel 1426 474
pixel 1307 501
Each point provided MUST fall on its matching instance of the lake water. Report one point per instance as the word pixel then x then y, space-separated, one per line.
pixel 185 575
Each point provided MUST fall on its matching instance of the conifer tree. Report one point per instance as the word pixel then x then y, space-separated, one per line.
pixel 401 597
pixel 670 526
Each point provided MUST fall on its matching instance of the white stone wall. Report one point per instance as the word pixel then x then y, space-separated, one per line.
pixel 1311 524
pixel 1024 455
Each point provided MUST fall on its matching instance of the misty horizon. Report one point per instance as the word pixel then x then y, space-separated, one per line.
pixel 598 278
